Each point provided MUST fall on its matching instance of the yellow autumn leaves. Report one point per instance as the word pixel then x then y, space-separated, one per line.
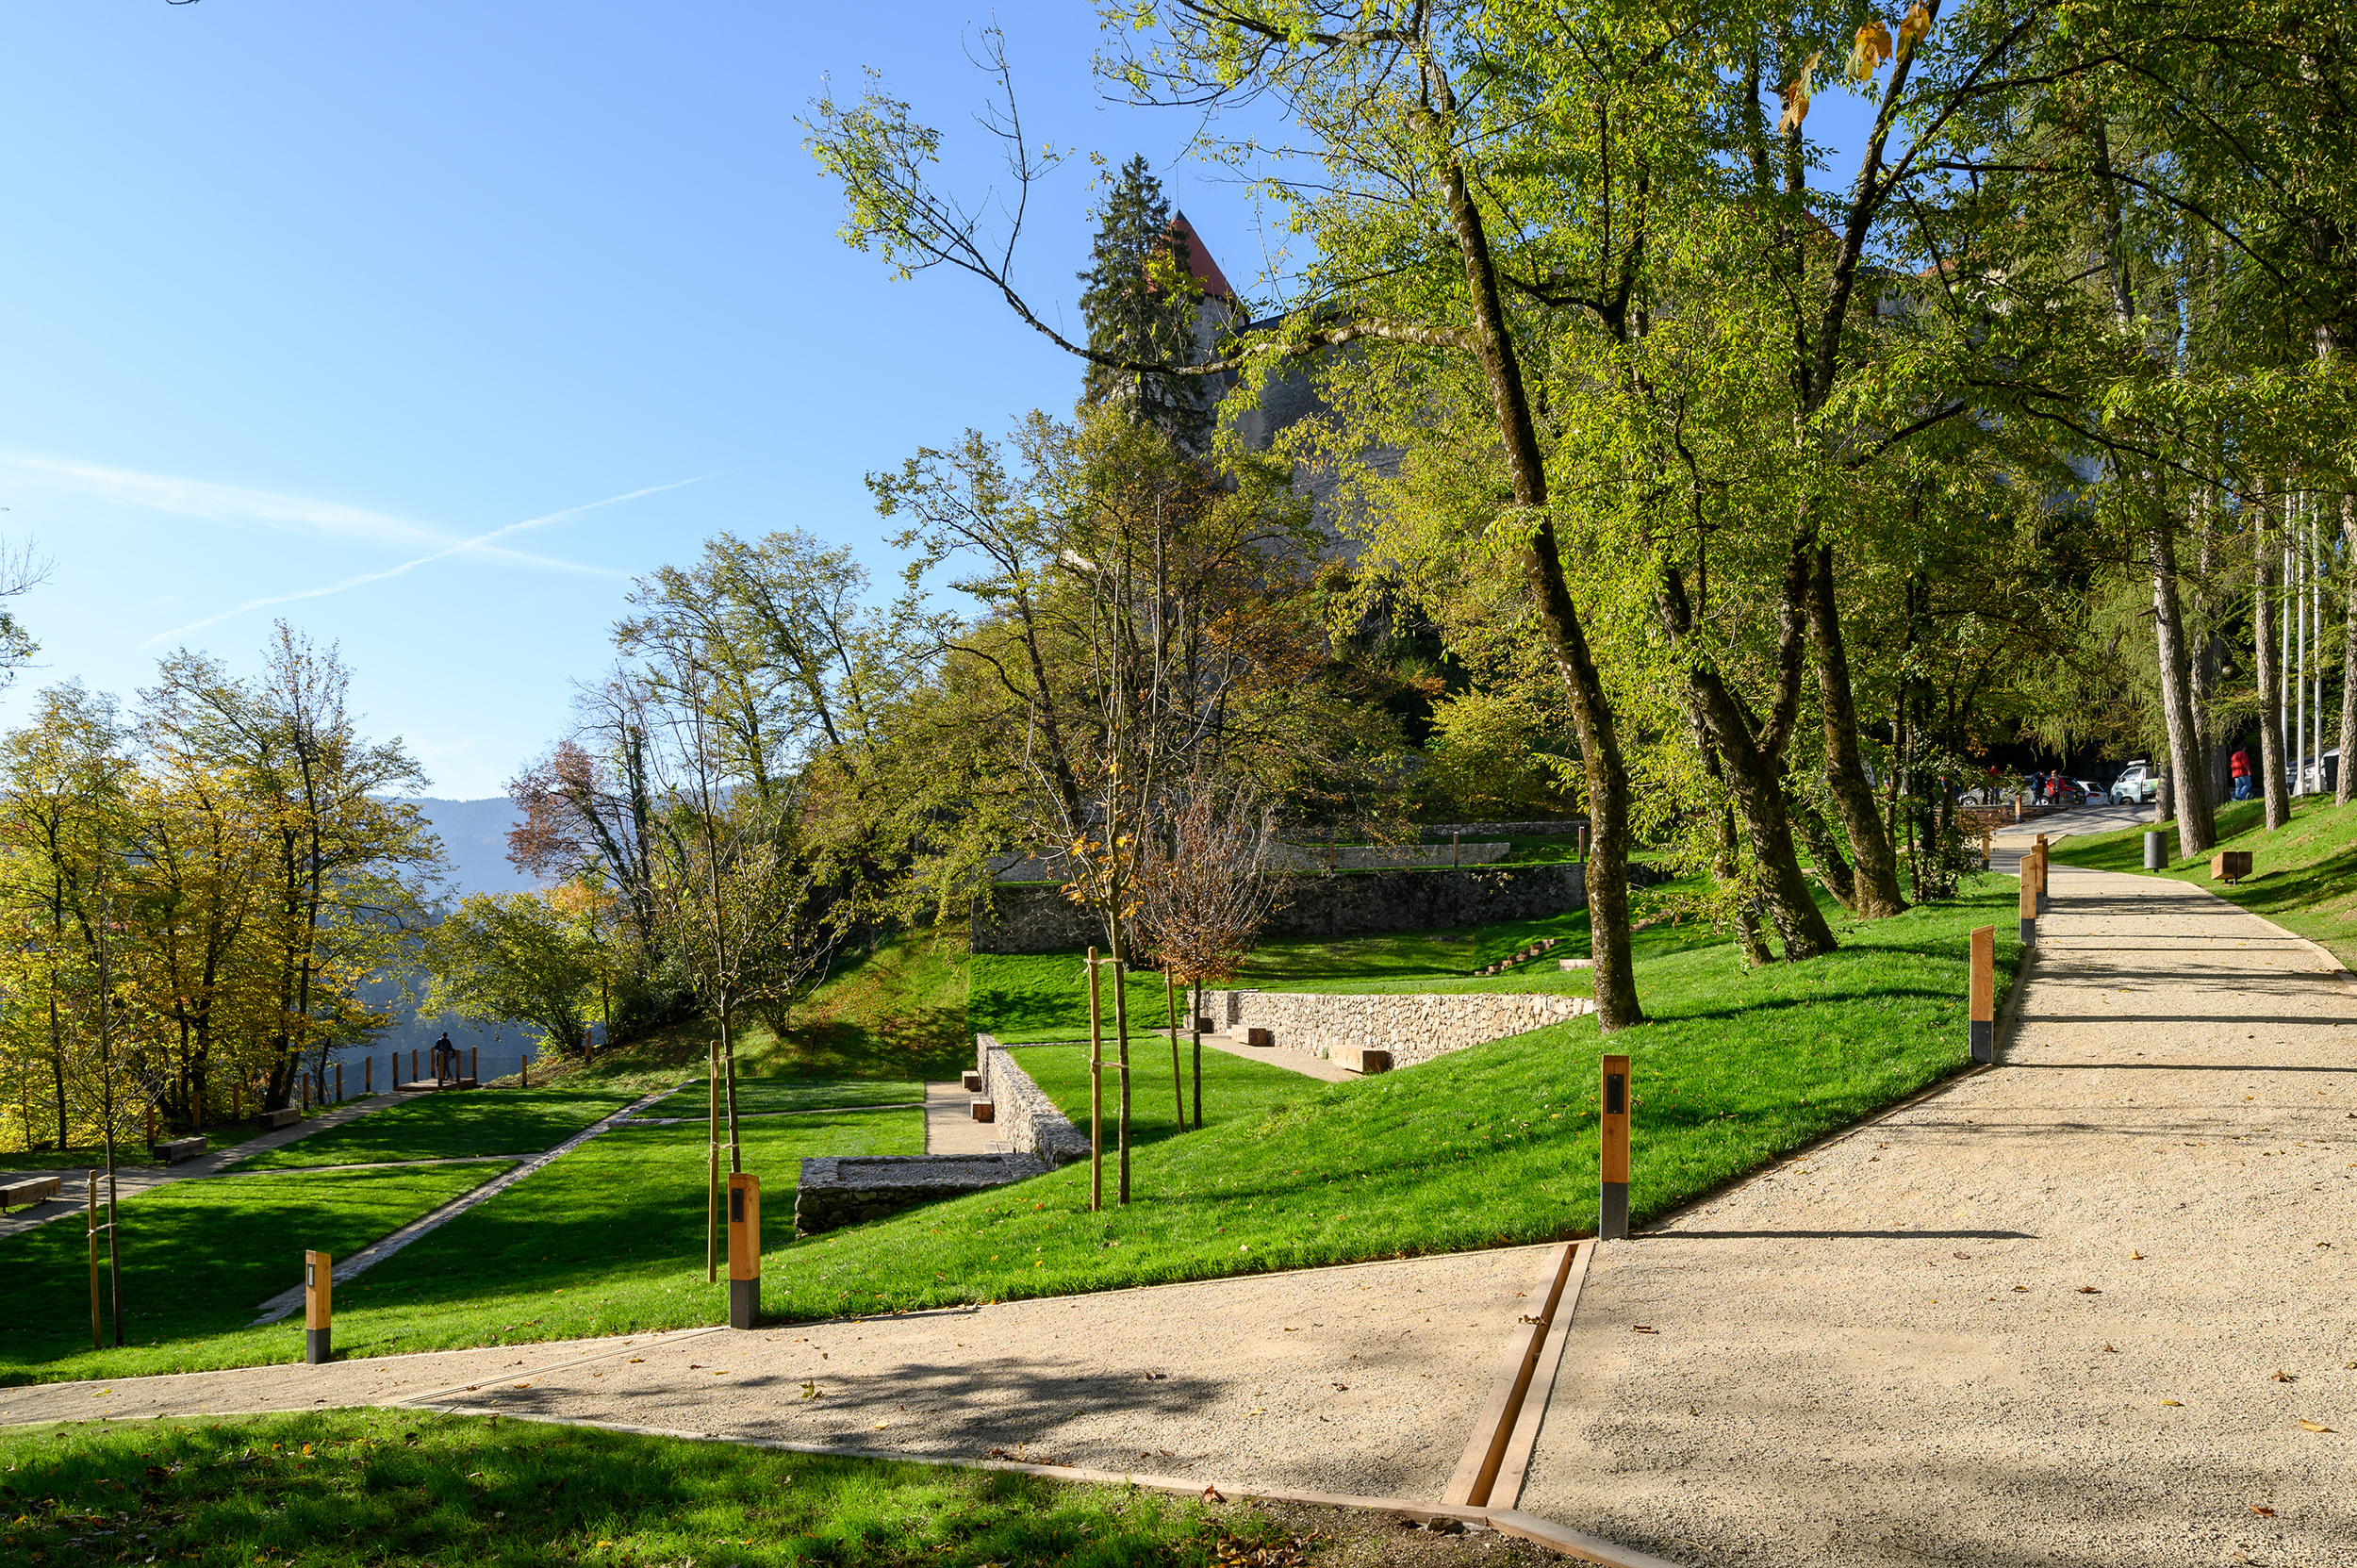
pixel 1872 46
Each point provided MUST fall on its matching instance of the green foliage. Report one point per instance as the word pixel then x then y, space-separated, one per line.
pixel 1140 303
pixel 448 1126
pixel 501 958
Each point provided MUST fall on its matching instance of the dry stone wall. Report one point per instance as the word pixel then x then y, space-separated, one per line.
pixel 1038 919
pixel 1412 1028
pixel 1026 1119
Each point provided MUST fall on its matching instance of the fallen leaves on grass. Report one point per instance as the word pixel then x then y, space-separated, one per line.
pixel 1210 1495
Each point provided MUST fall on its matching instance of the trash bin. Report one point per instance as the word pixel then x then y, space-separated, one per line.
pixel 2156 851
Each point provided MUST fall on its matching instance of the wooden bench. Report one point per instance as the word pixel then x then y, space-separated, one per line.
pixel 173 1151
pixel 269 1120
pixel 1259 1038
pixel 972 1082
pixel 1362 1059
pixel 983 1110
pixel 2230 866
pixel 33 1189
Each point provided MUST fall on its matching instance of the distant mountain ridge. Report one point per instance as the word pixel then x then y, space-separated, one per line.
pixel 474 838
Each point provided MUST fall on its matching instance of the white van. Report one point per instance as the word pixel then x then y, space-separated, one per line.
pixel 2138 784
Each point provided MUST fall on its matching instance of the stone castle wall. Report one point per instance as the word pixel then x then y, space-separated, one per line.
pixel 1412 1028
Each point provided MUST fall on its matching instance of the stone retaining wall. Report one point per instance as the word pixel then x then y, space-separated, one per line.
pixel 840 1190
pixel 1026 1119
pixel 1412 1028
pixel 1560 827
pixel 1362 903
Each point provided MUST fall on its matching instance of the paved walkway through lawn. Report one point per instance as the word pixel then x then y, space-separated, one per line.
pixel 1363 1380
pixel 131 1180
pixel 2091 1307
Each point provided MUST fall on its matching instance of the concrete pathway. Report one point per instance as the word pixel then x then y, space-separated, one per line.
pixel 949 1124
pixel 1291 1060
pixel 1364 1379
pixel 131 1180
pixel 2091 1307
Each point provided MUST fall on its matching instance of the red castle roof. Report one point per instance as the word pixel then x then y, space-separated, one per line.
pixel 1199 260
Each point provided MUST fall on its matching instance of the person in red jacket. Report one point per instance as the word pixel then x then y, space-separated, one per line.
pixel 2241 766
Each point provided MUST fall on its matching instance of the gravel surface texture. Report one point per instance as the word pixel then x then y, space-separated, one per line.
pixel 2072 1309
pixel 1364 1379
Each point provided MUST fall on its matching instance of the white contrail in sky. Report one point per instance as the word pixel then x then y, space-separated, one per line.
pixel 235 505
pixel 455 547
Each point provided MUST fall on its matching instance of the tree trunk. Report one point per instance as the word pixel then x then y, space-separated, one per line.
pixel 1878 893
pixel 1832 869
pixel 1755 781
pixel 2270 675
pixel 2344 783
pixel 2196 830
pixel 1607 772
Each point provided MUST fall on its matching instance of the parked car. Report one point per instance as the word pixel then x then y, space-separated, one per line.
pixel 2138 784
pixel 2094 794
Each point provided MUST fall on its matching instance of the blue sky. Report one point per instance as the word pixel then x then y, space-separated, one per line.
pixel 436 323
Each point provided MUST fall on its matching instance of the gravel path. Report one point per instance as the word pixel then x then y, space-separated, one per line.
pixel 1363 1380
pixel 2072 1309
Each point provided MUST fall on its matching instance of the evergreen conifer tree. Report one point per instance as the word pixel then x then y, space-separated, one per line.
pixel 1140 303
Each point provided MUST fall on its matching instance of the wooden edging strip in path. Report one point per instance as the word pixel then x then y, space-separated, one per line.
pixel 1475 1478
pixel 1514 1467
pixel 1526 1527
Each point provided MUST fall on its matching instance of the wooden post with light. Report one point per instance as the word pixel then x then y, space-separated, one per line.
pixel 1983 1010
pixel 744 1249
pixel 1612 1206
pixel 2029 899
pixel 316 1307
pixel 2041 873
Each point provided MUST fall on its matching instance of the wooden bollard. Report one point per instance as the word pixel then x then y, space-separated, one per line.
pixel 2041 873
pixel 744 1249
pixel 305 1080
pixel 413 1066
pixel 316 1307
pixel 523 1072
pixel 340 1080
pixel 151 1127
pixel 474 1062
pixel 2029 900
pixel 1612 1206
pixel 367 1075
pixel 1983 1009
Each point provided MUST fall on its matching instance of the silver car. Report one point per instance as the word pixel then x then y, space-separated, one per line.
pixel 2138 784
pixel 2096 794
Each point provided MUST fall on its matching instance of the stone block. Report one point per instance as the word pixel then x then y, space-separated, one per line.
pixel 33 1189
pixel 836 1191
pixel 1575 963
pixel 270 1119
pixel 985 1111
pixel 177 1149
pixel 973 1084
pixel 1259 1038
pixel 1362 1059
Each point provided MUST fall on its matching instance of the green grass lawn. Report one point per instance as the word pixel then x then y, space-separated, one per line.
pixel 451 1123
pixel 1485 1147
pixel 607 1240
pixel 2303 878
pixel 792 1094
pixel 897 1010
pixel 1233 1087
pixel 199 1258
pixel 355 1487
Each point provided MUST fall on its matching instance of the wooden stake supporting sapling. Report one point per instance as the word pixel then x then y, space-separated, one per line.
pixel 1178 1080
pixel 1612 1152
pixel 1097 1096
pixel 1984 994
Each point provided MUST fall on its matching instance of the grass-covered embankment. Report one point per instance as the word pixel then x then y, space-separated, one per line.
pixel 2304 877
pixel 354 1487
pixel 199 1258
pixel 768 1095
pixel 1485 1147
pixel 452 1124
pixel 1233 1087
